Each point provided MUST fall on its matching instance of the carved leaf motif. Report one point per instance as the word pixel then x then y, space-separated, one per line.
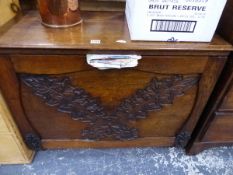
pixel 108 124
pixel 182 139
pixel 33 141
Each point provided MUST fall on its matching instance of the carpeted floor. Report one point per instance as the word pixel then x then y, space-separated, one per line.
pixel 146 161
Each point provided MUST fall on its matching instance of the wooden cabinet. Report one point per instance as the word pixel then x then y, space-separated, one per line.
pixel 227 103
pixel 59 101
pixel 12 148
pixel 215 127
pixel 216 124
pixel 3 127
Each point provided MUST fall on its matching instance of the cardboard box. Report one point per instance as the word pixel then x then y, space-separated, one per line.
pixel 173 20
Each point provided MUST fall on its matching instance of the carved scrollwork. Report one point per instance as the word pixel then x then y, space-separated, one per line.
pixel 104 123
pixel 33 141
pixel 182 139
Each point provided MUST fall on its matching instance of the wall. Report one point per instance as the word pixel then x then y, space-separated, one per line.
pixel 5 12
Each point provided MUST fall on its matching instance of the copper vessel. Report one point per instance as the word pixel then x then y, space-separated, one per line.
pixel 59 13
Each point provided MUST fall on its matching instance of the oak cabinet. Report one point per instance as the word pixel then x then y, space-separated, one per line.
pixel 216 123
pixel 59 101
pixel 215 127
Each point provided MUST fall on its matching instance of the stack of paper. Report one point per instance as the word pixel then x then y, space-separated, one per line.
pixel 103 62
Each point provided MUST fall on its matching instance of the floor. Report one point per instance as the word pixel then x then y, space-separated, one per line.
pixel 146 161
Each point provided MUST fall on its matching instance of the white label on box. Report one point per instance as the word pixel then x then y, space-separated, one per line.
pixel 177 20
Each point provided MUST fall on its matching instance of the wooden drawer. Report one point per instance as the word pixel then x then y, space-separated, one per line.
pixel 227 103
pixel 60 64
pixel 216 125
pixel 70 103
pixel 220 129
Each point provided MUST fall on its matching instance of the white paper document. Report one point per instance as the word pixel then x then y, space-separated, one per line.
pixel 103 62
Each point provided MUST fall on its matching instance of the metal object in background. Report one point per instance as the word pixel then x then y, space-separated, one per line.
pixel 59 13
pixel 27 5
pixel 15 7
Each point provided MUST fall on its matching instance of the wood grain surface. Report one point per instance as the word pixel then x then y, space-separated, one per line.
pixel 108 27
pixel 216 124
pixel 28 47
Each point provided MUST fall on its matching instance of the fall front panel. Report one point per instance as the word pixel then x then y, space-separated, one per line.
pixel 108 105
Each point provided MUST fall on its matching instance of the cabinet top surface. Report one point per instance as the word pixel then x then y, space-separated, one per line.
pixel 110 28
